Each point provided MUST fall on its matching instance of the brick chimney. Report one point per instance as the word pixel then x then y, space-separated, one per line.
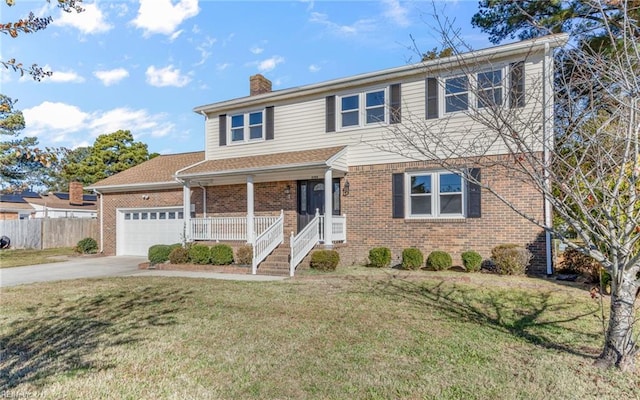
pixel 75 194
pixel 258 84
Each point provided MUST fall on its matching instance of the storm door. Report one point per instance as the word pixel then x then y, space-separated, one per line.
pixel 311 196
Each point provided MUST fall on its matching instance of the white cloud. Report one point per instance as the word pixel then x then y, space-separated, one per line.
pixel 90 21
pixel 175 35
pixel 270 63
pixel 167 76
pixel 223 66
pixel 205 50
pixel 66 125
pixel 358 27
pixel 162 16
pixel 61 76
pixel 314 68
pixel 109 77
pixel 397 13
pixel 256 50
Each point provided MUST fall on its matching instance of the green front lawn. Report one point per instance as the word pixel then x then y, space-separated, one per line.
pixel 20 257
pixel 375 334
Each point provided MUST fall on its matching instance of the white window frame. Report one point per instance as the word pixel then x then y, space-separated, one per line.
pixel 501 86
pixel 246 127
pixel 472 82
pixel 362 109
pixel 435 195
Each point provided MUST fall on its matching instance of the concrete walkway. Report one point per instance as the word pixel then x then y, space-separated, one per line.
pixel 95 267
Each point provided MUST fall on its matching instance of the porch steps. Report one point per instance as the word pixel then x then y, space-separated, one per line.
pixel 276 263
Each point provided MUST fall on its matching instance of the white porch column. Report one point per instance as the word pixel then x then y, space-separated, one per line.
pixel 250 211
pixel 328 208
pixel 186 210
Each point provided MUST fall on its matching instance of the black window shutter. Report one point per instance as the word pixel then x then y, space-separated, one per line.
pixel 396 113
pixel 397 189
pixel 222 125
pixel 474 191
pixel 269 127
pixel 432 98
pixel 516 85
pixel 330 114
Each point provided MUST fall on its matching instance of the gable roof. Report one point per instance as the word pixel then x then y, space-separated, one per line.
pixel 157 172
pixel 439 64
pixel 264 162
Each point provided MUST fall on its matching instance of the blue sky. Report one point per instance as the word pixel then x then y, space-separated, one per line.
pixel 143 65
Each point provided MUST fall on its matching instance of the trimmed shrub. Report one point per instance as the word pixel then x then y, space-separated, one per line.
pixel 510 259
pixel 179 255
pixel 379 257
pixel 472 261
pixel 200 254
pixel 221 254
pixel 412 258
pixel 574 262
pixel 324 260
pixel 87 246
pixel 244 255
pixel 159 253
pixel 439 260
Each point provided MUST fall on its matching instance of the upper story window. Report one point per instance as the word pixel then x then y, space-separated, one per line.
pixel 487 91
pixel 246 127
pixel 489 88
pixel 434 194
pixel 363 109
pixel 456 94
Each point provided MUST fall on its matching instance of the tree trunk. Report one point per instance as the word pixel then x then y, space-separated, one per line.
pixel 619 347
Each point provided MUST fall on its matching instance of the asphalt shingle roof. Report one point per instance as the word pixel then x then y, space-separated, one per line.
pixel 157 170
pixel 264 161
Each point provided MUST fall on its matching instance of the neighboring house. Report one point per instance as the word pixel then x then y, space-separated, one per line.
pixel 14 206
pixel 28 205
pixel 273 158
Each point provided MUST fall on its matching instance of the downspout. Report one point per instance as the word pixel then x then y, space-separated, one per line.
pixel 101 220
pixel 547 133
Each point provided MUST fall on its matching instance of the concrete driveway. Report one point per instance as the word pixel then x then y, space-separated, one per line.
pixel 95 267
pixel 74 268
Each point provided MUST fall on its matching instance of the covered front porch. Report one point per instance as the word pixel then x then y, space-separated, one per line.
pixel 269 203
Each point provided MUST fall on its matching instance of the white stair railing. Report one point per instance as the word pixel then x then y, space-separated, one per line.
pixel 303 242
pixel 219 228
pixel 338 228
pixel 267 241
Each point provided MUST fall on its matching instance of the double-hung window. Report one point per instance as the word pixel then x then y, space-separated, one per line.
pixel 489 88
pixel 363 109
pixel 456 94
pixel 247 127
pixel 488 91
pixel 435 194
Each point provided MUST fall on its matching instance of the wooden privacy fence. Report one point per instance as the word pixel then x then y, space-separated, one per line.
pixel 48 233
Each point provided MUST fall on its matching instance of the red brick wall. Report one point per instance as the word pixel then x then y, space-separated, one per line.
pixel 370 223
pixel 369 220
pixel 8 215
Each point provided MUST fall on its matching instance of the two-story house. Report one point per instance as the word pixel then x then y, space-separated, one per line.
pixel 307 166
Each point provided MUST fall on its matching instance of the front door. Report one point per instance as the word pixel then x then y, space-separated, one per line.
pixel 311 197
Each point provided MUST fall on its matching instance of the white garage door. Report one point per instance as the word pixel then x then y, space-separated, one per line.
pixel 137 230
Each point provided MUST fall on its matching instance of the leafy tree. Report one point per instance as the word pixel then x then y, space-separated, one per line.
pixel 110 154
pixel 503 19
pixel 590 176
pixel 20 155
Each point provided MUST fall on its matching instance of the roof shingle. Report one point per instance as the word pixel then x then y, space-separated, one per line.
pixel 157 170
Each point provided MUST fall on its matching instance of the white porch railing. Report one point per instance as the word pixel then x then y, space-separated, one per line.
pixel 303 242
pixel 227 228
pixel 338 228
pixel 267 241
